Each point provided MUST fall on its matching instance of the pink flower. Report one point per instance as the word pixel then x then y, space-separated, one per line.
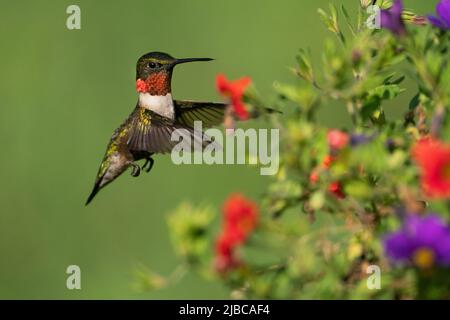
pixel 337 139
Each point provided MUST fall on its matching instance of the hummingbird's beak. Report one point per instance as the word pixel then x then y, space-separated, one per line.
pixel 178 61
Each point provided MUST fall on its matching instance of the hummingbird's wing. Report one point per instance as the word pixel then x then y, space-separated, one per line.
pixel 153 133
pixel 210 113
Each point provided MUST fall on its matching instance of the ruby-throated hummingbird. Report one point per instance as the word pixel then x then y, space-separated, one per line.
pixel 149 127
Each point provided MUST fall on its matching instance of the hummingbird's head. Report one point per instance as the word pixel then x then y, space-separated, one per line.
pixel 154 72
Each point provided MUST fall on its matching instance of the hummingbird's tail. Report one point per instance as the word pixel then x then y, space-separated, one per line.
pixel 109 171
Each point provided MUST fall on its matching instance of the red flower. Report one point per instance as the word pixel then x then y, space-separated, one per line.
pixel 225 258
pixel 141 86
pixel 327 161
pixel 241 215
pixel 336 189
pixel 433 157
pixel 314 176
pixel 234 90
pixel 326 164
pixel 240 219
pixel 337 139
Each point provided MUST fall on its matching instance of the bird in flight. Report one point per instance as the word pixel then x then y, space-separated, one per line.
pixel 148 129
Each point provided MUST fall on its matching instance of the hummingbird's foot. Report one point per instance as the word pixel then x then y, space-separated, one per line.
pixel 148 161
pixel 136 170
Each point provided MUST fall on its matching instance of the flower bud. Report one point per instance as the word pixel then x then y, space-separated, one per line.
pixel 365 3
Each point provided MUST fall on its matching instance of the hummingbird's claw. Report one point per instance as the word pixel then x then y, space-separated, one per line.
pixel 150 163
pixel 136 170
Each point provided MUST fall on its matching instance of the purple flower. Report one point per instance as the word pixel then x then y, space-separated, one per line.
pixel 442 21
pixel 360 139
pixel 423 241
pixel 392 19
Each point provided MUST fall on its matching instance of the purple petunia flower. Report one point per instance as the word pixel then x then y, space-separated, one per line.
pixel 392 19
pixel 441 21
pixel 423 241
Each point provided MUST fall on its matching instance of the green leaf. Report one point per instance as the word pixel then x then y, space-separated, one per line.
pixel 304 96
pixel 386 92
pixel 415 101
pixel 348 20
pixel 371 107
pixel 328 21
pixel 305 67
pixel 331 21
pixel 444 79
pixel 434 61
pixel 358 189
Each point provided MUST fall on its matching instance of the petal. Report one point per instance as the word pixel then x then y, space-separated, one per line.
pixel 430 232
pixel 426 230
pixel 442 248
pixel 243 82
pixel 397 8
pixel 239 86
pixel 240 110
pixel 222 84
pixel 385 19
pixel 337 139
pixel 433 157
pixel 392 22
pixel 443 10
pixel 435 21
pixel 398 246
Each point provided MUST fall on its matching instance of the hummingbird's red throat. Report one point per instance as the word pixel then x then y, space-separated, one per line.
pixel 141 86
pixel 157 84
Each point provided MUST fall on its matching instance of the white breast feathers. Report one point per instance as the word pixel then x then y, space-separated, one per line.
pixel 162 105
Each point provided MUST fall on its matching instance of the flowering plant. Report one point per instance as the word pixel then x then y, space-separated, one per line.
pixel 347 199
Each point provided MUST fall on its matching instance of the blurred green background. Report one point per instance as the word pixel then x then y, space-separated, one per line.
pixel 63 92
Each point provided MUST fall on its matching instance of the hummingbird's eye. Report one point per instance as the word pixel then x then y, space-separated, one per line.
pixel 152 65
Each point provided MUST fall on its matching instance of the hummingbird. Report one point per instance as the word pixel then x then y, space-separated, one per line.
pixel 148 129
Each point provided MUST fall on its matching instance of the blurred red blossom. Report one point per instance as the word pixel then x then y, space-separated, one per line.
pixel 336 189
pixel 433 158
pixel 225 259
pixel 234 90
pixel 240 219
pixel 241 215
pixel 314 176
pixel 337 139
pixel 326 164
pixel 327 161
